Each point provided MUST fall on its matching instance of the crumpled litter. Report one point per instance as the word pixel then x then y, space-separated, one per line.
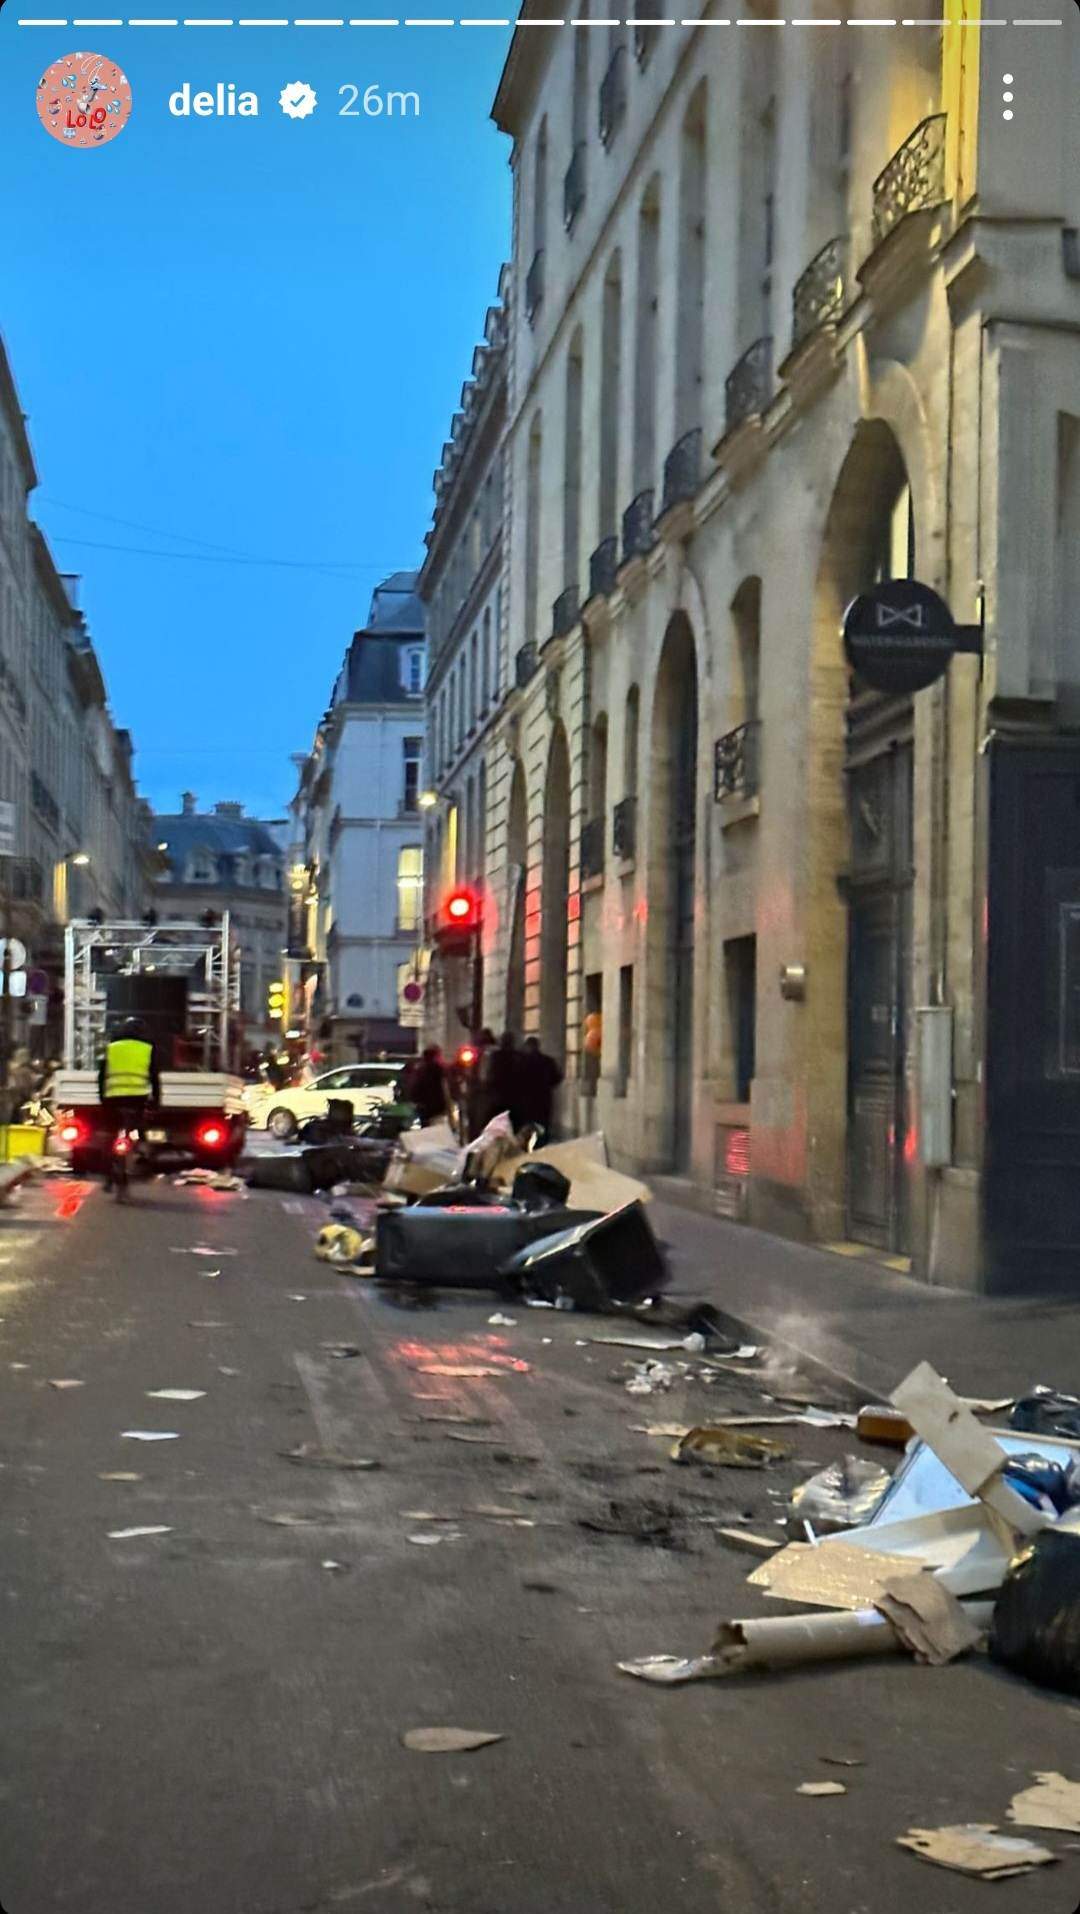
pixel 976 1848
pixel 150 1435
pixel 843 1496
pixel 730 1448
pixel 1053 1802
pixel 447 1740
pixel 339 1243
pixel 317 1458
pixel 176 1395
pixel 125 1535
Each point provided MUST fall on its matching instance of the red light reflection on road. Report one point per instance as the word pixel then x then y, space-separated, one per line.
pixel 71 1200
pixel 438 1358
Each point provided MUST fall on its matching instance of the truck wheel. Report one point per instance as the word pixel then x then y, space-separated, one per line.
pixel 282 1124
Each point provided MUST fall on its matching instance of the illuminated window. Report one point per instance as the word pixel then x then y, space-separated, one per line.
pixel 410 881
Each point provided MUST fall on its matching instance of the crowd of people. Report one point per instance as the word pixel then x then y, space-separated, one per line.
pixel 500 1076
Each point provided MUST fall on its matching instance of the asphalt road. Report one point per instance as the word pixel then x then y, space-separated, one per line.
pixel 210 1718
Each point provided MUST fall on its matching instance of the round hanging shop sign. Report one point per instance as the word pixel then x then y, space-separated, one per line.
pixel 900 636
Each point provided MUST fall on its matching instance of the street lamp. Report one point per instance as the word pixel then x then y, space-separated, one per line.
pixel 80 859
pixel 428 800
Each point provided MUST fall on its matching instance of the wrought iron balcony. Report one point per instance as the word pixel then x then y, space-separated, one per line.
pixel 43 800
pixel 637 526
pixel 624 827
pixel 525 664
pixel 564 612
pixel 735 762
pixel 748 386
pixel 818 299
pixel 603 566
pixel 645 35
pixel 534 287
pixel 592 848
pixel 613 96
pixel 682 470
pixel 574 187
pixel 914 179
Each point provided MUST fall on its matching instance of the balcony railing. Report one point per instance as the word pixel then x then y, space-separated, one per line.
pixel 603 566
pixel 748 386
pixel 818 299
pixel 564 612
pixel 43 800
pixel 637 526
pixel 914 179
pixel 525 664
pixel 574 186
pixel 645 34
pixel 592 848
pixel 613 96
pixel 534 287
pixel 735 762
pixel 624 827
pixel 682 470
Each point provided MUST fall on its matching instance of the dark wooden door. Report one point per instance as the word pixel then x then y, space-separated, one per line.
pixel 1031 1172
pixel 685 855
pixel 879 967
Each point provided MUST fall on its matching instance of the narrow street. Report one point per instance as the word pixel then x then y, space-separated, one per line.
pixel 211 1717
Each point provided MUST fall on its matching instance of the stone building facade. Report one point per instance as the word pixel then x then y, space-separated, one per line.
pixel 81 830
pixel 793 311
pixel 461 586
pixel 357 874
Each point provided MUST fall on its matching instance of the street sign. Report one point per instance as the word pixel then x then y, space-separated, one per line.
pixel 17 958
pixel 7 830
pixel 413 992
pixel 900 636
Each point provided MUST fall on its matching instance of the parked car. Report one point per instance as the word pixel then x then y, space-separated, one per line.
pixel 367 1086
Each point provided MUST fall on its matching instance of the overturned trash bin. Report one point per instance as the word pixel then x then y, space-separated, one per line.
pixel 609 1262
pixel 459 1246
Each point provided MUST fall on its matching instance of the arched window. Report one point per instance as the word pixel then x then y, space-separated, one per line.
pixel 598 766
pixel 746 661
pixel 630 742
pixel 486 687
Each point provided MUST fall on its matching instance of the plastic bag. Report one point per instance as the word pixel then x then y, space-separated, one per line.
pixel 1047 1412
pixel 843 1496
pixel 337 1243
pixel 1036 1625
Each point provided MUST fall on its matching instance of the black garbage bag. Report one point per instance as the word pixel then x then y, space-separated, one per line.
pixel 1047 1412
pixel 539 1186
pixel 1036 1625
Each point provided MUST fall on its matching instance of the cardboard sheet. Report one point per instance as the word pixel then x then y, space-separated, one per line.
pixel 593 1185
pixel 829 1576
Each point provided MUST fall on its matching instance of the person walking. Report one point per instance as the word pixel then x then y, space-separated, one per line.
pixel 476 1091
pixel 538 1076
pixel 501 1064
pixel 426 1086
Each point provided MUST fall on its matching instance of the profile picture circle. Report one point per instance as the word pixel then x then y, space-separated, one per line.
pixel 83 99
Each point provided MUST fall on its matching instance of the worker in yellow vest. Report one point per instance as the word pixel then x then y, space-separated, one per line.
pixel 128 1078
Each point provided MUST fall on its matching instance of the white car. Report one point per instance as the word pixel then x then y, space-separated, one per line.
pixel 365 1085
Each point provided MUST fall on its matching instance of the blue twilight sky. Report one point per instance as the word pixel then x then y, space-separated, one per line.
pixel 252 332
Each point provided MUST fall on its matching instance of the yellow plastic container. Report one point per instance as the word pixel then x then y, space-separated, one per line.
pixel 21 1139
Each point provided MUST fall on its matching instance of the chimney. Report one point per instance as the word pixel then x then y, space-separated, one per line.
pixel 187 803
pixel 231 809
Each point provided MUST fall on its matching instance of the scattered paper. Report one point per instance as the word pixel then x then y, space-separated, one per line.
pixel 928 1619
pixel 316 1458
pixel 341 1350
pixel 730 1448
pixel 321 1519
pixel 209 1325
pixel 976 1849
pixel 119 1475
pixel 124 1535
pixel 748 1543
pixel 463 1370
pixel 447 1740
pixel 18 1365
pixel 228 1372
pixel 64 1382
pixel 836 1575
pixel 150 1435
pixel 821 1787
pixel 1053 1802
pixel 201 1250
pixel 432 1541
pixel 503 1322
pixel 460 1435
pixel 332 1565
pixel 176 1395
pixel 667 1670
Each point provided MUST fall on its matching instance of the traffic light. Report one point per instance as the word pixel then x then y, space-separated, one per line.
pixel 457 922
pixel 275 1001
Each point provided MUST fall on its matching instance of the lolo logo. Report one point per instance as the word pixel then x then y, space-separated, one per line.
pixel 83 99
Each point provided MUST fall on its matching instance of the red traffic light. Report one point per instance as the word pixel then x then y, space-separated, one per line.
pixel 461 910
pixel 459 906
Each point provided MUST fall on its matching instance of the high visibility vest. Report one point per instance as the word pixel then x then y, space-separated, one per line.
pixel 127 1068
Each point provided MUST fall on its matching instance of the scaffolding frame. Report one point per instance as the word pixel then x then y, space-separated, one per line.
pixel 204 954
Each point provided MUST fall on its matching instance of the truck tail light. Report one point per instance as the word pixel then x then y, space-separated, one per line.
pixel 211 1136
pixel 73 1130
